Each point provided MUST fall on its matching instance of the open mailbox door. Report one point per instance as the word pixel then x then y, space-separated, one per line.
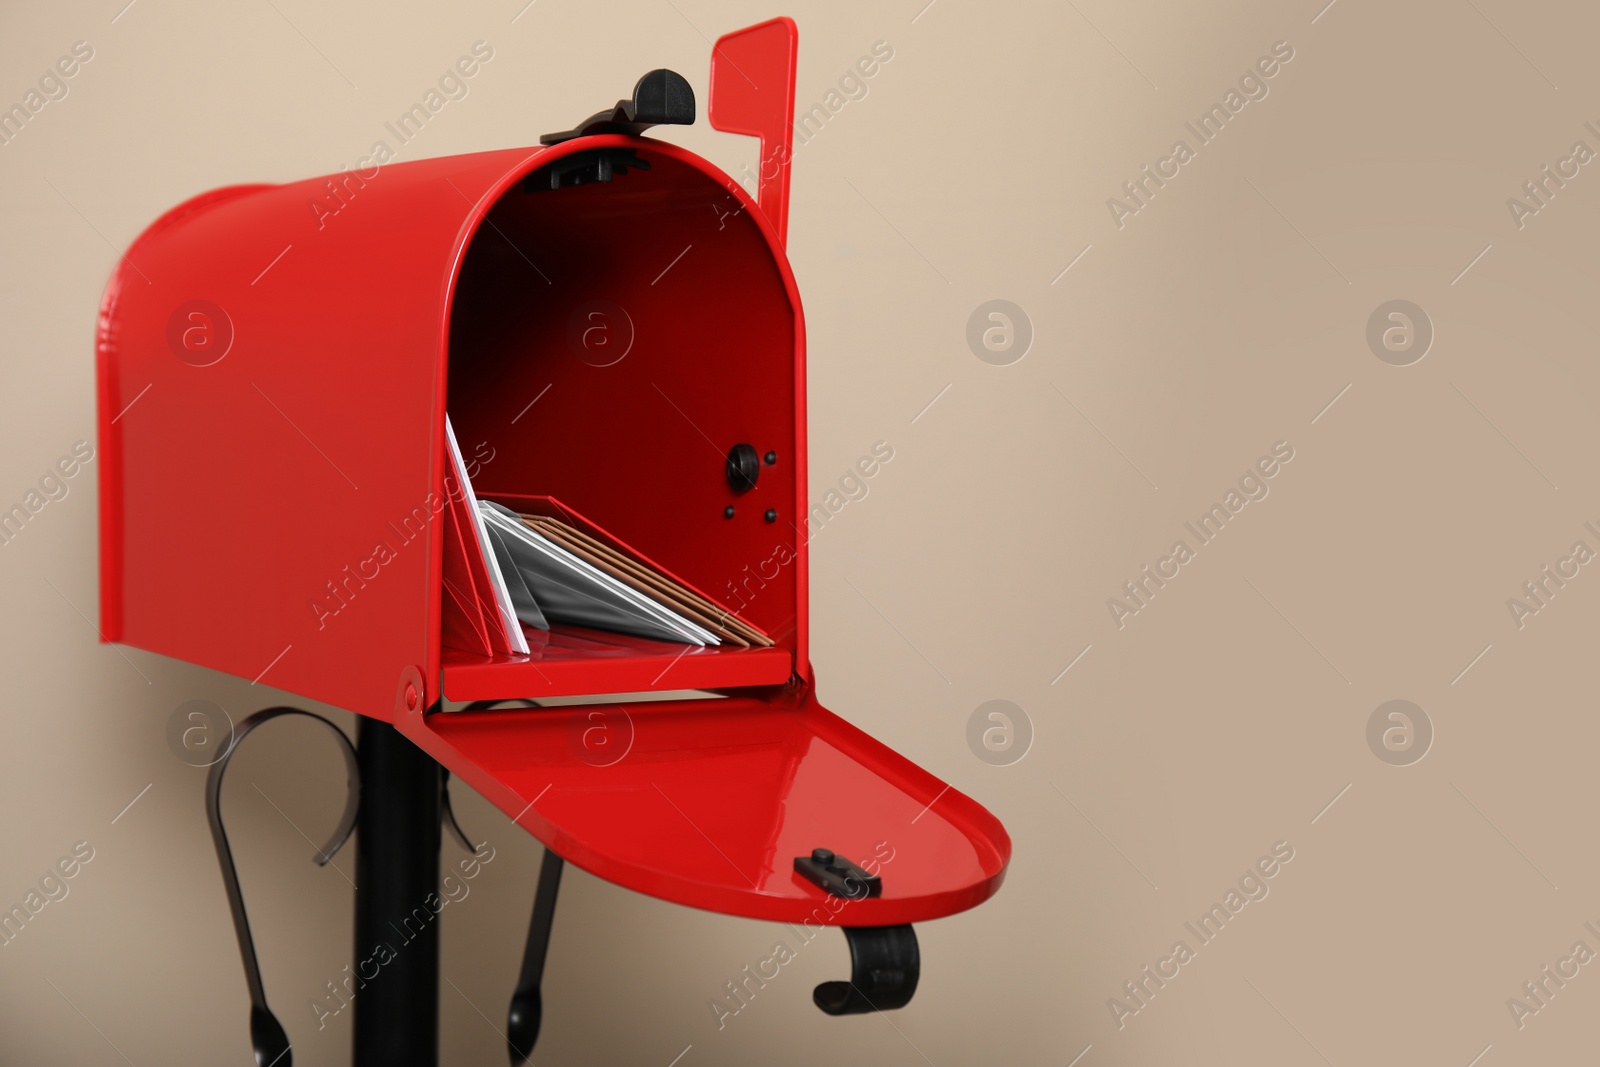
pixel 709 802
pixel 614 329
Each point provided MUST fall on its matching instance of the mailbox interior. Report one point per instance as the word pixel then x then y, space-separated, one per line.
pixel 610 341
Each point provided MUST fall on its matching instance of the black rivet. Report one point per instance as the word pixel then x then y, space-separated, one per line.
pixel 727 512
pixel 771 458
pixel 821 855
pixel 771 515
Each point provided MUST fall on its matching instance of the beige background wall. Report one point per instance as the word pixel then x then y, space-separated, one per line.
pixel 1222 318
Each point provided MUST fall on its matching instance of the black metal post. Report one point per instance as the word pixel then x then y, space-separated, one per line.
pixel 397 879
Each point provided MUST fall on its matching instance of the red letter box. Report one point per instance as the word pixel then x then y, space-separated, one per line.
pixel 615 331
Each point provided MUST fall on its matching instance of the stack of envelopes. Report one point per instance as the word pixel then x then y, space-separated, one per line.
pixel 555 573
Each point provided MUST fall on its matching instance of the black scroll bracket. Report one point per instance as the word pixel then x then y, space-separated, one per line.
pixel 267 1037
pixel 526 1011
pixel 447 814
pixel 884 967
pixel 884 960
pixel 527 1005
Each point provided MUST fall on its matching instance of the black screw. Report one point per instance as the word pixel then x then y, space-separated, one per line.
pixel 771 458
pixel 727 512
pixel 771 515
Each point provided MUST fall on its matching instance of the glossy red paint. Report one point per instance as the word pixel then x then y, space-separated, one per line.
pixel 274 366
pixel 708 803
pixel 274 513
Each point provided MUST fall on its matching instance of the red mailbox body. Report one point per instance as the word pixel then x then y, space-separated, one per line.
pixel 275 365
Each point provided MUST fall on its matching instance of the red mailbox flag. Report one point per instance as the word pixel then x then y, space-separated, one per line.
pixel 752 92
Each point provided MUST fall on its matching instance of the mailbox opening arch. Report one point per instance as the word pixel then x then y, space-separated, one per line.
pixel 620 317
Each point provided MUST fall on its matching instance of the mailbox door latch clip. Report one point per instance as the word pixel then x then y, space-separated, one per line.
pixel 837 875
pixel 660 98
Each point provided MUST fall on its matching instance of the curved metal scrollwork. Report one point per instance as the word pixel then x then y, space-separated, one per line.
pixel 884 967
pixel 527 1004
pixel 267 1037
pixel 526 1011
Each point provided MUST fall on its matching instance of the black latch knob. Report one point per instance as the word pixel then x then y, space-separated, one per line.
pixel 744 467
